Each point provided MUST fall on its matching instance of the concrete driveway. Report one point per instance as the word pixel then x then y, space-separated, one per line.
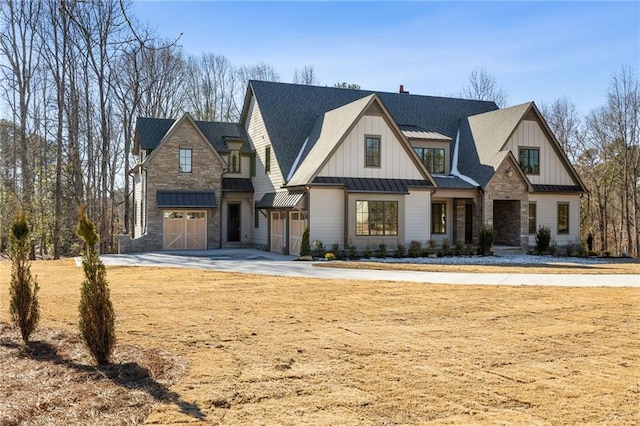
pixel 251 261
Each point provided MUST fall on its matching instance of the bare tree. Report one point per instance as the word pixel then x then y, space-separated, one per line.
pixel 307 75
pixel 563 119
pixel 261 71
pixel 484 87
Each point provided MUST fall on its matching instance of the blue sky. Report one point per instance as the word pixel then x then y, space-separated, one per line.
pixel 537 51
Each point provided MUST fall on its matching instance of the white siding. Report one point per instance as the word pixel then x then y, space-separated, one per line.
pixel 138 203
pixel 547 212
pixel 262 182
pixel 552 170
pixel 417 217
pixel 348 160
pixel 326 216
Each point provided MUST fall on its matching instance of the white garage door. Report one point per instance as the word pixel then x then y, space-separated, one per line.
pixel 277 231
pixel 296 229
pixel 184 230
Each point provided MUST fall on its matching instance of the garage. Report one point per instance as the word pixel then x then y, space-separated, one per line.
pixel 277 231
pixel 296 229
pixel 184 218
pixel 184 230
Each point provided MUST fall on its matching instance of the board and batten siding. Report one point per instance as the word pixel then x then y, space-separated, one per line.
pixel 262 182
pixel 529 134
pixel 547 215
pixel 417 217
pixel 326 216
pixel 349 159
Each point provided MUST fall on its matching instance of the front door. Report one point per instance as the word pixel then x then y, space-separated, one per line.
pixel 233 222
pixel 468 223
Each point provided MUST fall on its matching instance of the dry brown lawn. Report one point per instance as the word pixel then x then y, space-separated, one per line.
pixel 267 350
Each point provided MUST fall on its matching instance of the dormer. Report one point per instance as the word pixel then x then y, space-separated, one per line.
pixel 234 144
pixel 433 149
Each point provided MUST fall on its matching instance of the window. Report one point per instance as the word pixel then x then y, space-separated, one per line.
pixel 252 164
pixel 432 158
pixel 533 213
pixel 256 218
pixel 185 160
pixel 372 151
pixel 439 218
pixel 234 161
pixel 376 218
pixel 267 159
pixel 563 218
pixel 530 160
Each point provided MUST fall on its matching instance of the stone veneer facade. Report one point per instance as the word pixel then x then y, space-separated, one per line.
pixel 163 174
pixel 508 185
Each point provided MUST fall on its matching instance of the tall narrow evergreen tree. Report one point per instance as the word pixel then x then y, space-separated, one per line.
pixel 97 317
pixel 24 307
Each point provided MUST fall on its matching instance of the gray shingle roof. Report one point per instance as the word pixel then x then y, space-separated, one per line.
pixel 186 199
pixel 150 132
pixel 290 112
pixel 373 184
pixel 452 182
pixel 557 188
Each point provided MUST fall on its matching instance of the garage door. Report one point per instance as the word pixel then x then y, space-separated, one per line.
pixel 184 230
pixel 277 231
pixel 296 226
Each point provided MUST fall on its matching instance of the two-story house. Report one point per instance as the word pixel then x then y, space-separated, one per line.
pixel 358 167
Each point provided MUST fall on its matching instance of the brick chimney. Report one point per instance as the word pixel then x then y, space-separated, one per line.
pixel 402 89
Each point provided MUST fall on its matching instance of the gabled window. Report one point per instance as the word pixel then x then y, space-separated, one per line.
pixel 563 218
pixel 530 160
pixel 533 214
pixel 234 161
pixel 432 158
pixel 376 218
pixel 267 159
pixel 372 151
pixel 438 218
pixel 185 160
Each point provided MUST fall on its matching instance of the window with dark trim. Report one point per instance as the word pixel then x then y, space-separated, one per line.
pixel 234 161
pixel 185 160
pixel 267 159
pixel 563 218
pixel 256 218
pixel 533 215
pixel 432 158
pixel 438 218
pixel 372 151
pixel 530 160
pixel 376 218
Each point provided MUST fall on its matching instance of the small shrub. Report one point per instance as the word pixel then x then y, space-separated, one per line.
pixel 543 239
pixel 330 256
pixel 570 250
pixel 469 249
pixel 400 251
pixel 553 248
pixel 318 248
pixel 415 249
pixel 335 249
pixel 97 317
pixel 446 247
pixel 485 240
pixel 23 291
pixel 459 248
pixel 432 247
pixel 366 253
pixel 590 242
pixel 581 251
pixel 305 247
pixel 352 251
pixel 382 250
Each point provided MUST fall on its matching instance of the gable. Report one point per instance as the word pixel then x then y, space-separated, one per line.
pixel 553 170
pixel 348 160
